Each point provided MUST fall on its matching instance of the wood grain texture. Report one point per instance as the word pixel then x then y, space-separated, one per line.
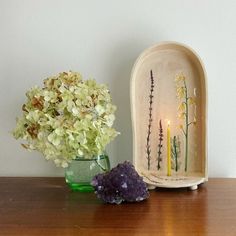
pixel 45 206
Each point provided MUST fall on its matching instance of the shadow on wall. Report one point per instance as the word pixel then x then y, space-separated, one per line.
pixel 120 66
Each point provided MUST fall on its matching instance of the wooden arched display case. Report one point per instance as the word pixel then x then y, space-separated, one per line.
pixel 169 116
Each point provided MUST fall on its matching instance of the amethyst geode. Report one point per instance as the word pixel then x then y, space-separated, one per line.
pixel 122 183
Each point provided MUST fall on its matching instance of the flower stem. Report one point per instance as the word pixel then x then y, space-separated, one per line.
pixel 186 127
pixel 148 146
pixel 159 159
pixel 101 166
pixel 175 153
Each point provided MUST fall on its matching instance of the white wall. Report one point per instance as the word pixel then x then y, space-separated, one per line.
pixel 102 39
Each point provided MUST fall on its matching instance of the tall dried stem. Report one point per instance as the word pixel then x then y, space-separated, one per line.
pixel 159 159
pixel 148 145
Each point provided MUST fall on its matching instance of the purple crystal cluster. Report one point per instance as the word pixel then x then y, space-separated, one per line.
pixel 122 183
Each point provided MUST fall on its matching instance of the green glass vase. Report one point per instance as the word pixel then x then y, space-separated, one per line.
pixel 80 172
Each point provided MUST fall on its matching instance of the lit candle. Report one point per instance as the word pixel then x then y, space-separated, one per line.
pixel 168 151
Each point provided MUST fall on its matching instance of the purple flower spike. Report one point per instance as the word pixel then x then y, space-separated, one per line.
pixel 122 183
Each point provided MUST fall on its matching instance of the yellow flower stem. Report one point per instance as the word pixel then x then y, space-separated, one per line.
pixel 186 127
pixel 187 101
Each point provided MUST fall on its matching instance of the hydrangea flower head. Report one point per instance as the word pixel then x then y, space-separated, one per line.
pixel 66 118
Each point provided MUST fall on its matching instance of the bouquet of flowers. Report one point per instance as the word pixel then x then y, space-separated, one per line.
pixel 66 118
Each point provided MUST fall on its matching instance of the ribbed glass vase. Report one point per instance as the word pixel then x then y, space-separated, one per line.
pixel 80 172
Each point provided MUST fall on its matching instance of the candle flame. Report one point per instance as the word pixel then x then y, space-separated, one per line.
pixel 168 122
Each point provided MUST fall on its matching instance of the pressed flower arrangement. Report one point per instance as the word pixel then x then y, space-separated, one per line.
pixel 169 119
pixel 66 118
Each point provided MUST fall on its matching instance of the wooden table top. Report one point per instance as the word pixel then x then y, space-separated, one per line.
pixel 45 206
